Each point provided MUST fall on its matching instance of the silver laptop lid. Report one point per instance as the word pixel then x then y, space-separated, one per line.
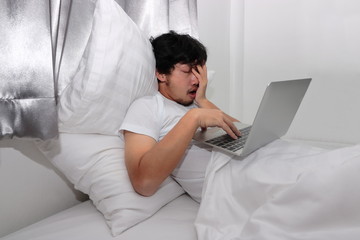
pixel 276 112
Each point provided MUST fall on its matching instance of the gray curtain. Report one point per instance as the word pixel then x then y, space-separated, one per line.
pixel 27 102
pixel 158 16
pixel 41 44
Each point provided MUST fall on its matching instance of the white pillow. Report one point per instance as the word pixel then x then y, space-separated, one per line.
pixel 94 163
pixel 117 67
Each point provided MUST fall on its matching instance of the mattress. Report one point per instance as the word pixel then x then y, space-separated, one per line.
pixel 174 221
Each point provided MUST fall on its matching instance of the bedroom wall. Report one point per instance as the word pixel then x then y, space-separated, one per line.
pixel 213 24
pixel 29 189
pixel 287 39
pixel 221 31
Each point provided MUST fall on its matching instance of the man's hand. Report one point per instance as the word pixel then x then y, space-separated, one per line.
pixel 215 118
pixel 200 73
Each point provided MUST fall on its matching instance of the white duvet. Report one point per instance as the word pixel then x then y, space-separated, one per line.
pixel 282 191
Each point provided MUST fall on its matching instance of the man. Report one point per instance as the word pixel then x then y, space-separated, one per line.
pixel 158 130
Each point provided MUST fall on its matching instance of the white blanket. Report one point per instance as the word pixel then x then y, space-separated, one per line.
pixel 282 191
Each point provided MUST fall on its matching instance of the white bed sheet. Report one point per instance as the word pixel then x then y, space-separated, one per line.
pixel 282 191
pixel 174 221
pixel 83 222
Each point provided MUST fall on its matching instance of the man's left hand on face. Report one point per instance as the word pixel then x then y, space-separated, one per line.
pixel 200 73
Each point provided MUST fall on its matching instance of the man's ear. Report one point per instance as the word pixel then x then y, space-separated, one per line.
pixel 161 77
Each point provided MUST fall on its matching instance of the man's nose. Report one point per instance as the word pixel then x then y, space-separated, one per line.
pixel 194 80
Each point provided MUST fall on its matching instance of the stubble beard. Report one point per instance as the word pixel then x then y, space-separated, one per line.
pixel 179 100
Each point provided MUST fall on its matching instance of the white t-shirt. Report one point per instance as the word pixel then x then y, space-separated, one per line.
pixel 155 116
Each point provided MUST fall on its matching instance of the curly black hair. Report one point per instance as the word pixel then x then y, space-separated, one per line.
pixel 172 48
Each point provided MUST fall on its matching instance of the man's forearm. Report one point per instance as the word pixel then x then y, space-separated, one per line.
pixel 155 161
pixel 158 163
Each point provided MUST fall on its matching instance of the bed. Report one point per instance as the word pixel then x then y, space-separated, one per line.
pixel 289 189
pixel 83 221
pixel 183 218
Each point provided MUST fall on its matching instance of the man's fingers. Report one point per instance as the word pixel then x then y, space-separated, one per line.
pixel 234 131
pixel 200 72
pixel 202 69
pixel 197 75
pixel 215 117
pixel 228 130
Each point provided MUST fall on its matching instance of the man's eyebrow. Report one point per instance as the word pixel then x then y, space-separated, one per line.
pixel 183 66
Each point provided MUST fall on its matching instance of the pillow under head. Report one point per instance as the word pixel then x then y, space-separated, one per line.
pixel 117 67
pixel 94 163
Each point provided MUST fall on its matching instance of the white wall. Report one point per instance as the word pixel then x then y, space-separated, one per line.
pixel 213 22
pixel 221 30
pixel 286 39
pixel 27 179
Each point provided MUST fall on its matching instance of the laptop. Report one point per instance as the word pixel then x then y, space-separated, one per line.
pixel 277 110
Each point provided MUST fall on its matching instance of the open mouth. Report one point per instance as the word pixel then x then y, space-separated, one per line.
pixel 192 93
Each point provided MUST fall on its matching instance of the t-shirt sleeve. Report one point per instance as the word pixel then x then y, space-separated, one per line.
pixel 143 117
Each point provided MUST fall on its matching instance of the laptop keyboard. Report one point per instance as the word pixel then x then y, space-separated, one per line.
pixel 227 142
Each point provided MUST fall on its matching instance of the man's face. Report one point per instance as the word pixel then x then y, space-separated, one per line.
pixel 180 85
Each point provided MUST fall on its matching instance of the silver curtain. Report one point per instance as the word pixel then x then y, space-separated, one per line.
pixel 158 16
pixel 41 44
pixel 27 103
